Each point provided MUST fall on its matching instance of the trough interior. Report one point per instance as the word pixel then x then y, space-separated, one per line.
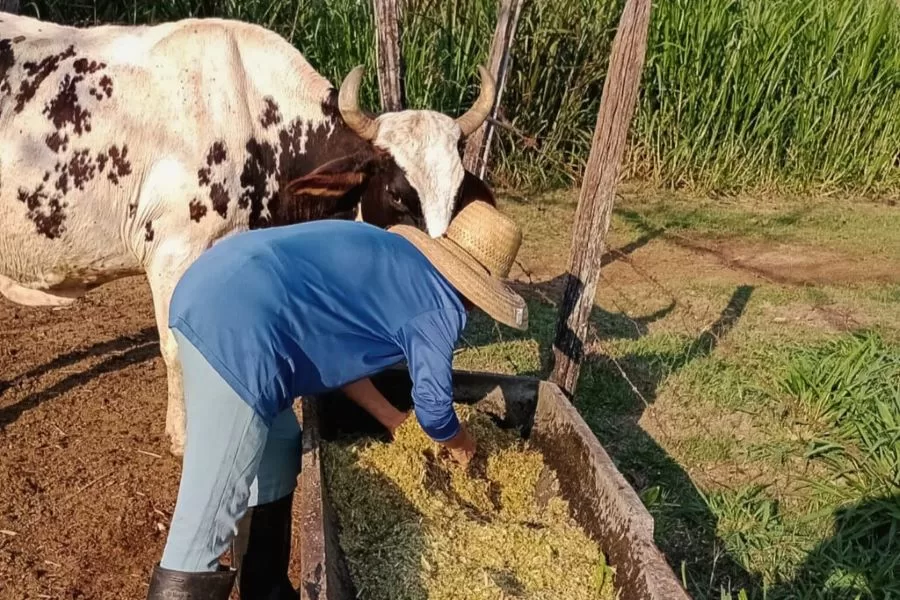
pixel 600 500
pixel 511 403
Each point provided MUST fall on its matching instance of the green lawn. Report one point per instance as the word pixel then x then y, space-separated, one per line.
pixel 757 416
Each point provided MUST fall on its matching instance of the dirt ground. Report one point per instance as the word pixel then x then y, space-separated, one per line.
pixel 87 486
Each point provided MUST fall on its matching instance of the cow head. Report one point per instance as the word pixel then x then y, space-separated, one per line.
pixel 409 169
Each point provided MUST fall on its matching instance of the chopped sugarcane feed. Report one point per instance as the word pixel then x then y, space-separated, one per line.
pixel 414 524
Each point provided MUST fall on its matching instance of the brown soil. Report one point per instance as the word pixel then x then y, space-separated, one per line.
pixel 676 256
pixel 796 264
pixel 87 486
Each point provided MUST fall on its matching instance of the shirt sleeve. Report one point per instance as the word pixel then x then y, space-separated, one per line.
pixel 428 341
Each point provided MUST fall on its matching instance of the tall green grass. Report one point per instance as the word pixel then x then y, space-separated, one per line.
pixel 737 94
pixel 799 92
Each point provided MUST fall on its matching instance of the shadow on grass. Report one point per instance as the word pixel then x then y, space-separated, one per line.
pixel 861 559
pixel 612 407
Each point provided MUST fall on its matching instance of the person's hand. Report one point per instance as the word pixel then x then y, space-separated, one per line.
pixel 461 447
pixel 463 456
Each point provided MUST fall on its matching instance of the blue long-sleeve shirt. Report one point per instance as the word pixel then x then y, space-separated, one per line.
pixel 298 310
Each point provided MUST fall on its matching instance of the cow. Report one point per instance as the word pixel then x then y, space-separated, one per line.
pixel 131 149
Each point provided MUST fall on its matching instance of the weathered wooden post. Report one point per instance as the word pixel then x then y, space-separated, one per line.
pixel 598 190
pixel 10 6
pixel 387 50
pixel 478 146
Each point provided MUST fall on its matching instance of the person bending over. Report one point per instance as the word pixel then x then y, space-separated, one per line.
pixel 269 315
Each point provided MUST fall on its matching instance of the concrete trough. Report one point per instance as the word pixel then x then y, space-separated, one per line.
pixel 601 500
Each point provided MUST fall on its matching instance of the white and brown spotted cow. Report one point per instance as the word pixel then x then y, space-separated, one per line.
pixel 132 149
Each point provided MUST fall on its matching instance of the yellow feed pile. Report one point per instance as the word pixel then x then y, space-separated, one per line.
pixel 416 525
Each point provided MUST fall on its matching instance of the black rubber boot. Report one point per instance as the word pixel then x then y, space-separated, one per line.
pixel 263 567
pixel 166 584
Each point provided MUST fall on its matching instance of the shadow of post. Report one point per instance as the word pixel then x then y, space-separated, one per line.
pixel 613 406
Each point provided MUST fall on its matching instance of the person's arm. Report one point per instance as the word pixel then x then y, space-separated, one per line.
pixel 366 395
pixel 428 342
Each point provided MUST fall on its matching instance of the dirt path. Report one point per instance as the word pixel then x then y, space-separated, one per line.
pixel 794 264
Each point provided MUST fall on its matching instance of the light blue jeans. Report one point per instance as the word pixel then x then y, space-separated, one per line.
pixel 232 461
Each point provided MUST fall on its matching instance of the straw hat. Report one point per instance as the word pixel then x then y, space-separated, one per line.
pixel 474 255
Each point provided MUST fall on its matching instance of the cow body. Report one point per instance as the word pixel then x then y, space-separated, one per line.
pixel 131 150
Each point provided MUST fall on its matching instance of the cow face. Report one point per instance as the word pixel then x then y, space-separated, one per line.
pixel 373 181
pixel 425 171
pixel 418 177
pixel 399 168
pixel 389 199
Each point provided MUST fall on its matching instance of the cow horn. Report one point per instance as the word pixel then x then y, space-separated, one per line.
pixel 348 104
pixel 473 119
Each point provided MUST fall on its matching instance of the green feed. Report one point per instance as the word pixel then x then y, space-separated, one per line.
pixel 415 525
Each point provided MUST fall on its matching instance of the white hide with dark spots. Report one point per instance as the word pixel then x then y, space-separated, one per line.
pixel 99 175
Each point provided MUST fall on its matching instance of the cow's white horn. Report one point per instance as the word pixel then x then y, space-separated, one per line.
pixel 476 115
pixel 348 104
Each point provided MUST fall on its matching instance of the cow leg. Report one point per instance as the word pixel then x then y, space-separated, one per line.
pixel 175 424
pixel 163 273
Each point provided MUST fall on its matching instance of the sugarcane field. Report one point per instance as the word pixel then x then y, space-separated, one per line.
pixel 449 300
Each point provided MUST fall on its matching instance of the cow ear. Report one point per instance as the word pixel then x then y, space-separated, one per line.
pixel 473 189
pixel 333 179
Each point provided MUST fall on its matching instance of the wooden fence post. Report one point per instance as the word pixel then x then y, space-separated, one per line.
pixel 387 50
pixel 478 146
pixel 598 191
pixel 10 6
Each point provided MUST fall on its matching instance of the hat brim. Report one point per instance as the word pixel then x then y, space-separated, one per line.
pixel 469 278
